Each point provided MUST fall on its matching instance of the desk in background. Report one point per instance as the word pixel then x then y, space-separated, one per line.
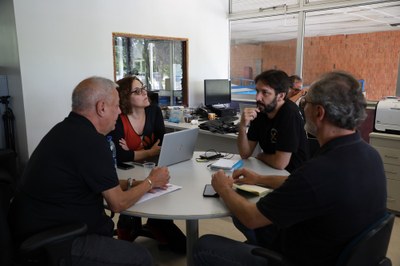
pixel 388 146
pixel 188 202
pixel 207 140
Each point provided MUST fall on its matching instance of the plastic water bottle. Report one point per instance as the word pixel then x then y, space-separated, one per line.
pixel 113 150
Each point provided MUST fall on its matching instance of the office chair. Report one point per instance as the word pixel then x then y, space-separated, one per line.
pixel 51 247
pixel 367 248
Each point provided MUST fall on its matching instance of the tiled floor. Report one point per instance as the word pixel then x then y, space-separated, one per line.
pixel 222 226
pixel 394 246
pixel 225 227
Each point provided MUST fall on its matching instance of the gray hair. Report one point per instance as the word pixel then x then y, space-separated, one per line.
pixel 91 90
pixel 341 96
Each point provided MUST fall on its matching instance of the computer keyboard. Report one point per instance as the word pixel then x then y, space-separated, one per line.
pixel 221 125
pixel 227 119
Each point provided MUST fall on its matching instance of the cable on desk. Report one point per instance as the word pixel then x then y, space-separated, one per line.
pixel 229 155
pixel 212 154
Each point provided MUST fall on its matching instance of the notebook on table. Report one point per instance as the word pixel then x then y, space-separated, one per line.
pixel 177 146
pixel 226 164
pixel 254 189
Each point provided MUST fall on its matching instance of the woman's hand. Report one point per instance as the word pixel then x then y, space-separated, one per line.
pixel 155 149
pixel 122 143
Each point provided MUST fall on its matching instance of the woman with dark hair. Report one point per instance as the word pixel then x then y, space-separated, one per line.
pixel 138 135
pixel 140 127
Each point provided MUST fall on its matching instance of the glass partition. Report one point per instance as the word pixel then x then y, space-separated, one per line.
pixel 274 47
pixel 314 37
pixel 357 39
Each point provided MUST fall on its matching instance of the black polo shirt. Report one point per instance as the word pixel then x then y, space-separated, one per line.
pixel 64 179
pixel 327 201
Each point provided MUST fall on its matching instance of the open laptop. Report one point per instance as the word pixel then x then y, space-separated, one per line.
pixel 177 146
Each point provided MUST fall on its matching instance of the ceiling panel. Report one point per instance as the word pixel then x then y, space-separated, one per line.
pixel 350 20
pixel 251 5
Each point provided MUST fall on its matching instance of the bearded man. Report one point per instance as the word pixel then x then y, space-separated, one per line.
pixel 276 125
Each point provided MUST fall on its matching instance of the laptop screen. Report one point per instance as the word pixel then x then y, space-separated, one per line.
pixel 178 146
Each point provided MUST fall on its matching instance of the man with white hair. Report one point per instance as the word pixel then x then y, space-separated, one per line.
pixel 70 173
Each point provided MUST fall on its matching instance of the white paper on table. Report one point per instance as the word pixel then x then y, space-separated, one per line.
pixel 158 192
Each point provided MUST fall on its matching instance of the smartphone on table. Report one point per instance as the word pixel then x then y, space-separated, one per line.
pixel 125 166
pixel 209 191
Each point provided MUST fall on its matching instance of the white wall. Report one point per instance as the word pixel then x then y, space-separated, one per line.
pixel 62 42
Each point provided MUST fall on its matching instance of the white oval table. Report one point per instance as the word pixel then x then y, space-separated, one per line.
pixel 188 202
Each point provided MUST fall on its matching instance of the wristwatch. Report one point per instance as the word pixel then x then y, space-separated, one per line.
pixel 150 183
pixel 130 182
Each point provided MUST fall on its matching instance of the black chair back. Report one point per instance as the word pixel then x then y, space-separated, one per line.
pixel 50 247
pixel 367 249
pixel 6 246
pixel 370 247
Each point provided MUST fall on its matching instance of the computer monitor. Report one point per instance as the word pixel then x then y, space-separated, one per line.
pixel 217 91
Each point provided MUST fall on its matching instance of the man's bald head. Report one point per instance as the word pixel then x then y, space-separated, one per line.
pixel 89 91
